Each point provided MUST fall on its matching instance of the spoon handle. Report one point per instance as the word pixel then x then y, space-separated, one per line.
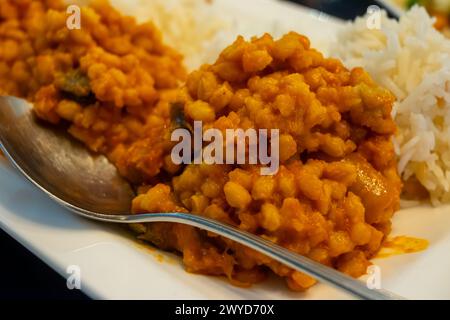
pixel 293 260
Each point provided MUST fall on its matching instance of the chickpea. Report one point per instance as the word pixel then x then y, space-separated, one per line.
pixel 237 196
pixel 200 111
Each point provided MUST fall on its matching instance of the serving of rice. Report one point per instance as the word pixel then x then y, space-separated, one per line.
pixel 195 28
pixel 412 60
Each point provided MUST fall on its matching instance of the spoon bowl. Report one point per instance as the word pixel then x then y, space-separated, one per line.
pixel 59 165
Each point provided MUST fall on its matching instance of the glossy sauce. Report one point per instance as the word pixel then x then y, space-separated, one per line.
pixel 402 245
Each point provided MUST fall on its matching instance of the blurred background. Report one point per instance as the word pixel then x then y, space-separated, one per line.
pixel 344 9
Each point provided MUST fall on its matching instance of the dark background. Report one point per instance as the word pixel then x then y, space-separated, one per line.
pixel 22 275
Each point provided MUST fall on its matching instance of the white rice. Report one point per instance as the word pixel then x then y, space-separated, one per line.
pixel 190 26
pixel 195 28
pixel 201 29
pixel 411 59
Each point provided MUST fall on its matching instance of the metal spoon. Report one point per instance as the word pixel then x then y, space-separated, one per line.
pixel 90 186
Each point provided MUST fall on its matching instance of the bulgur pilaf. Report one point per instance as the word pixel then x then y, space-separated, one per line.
pixel 337 188
pixel 114 83
pixel 110 80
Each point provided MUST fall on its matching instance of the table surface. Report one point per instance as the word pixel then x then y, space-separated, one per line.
pixel 24 276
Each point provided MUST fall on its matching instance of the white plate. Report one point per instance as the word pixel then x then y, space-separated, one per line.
pixel 113 266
